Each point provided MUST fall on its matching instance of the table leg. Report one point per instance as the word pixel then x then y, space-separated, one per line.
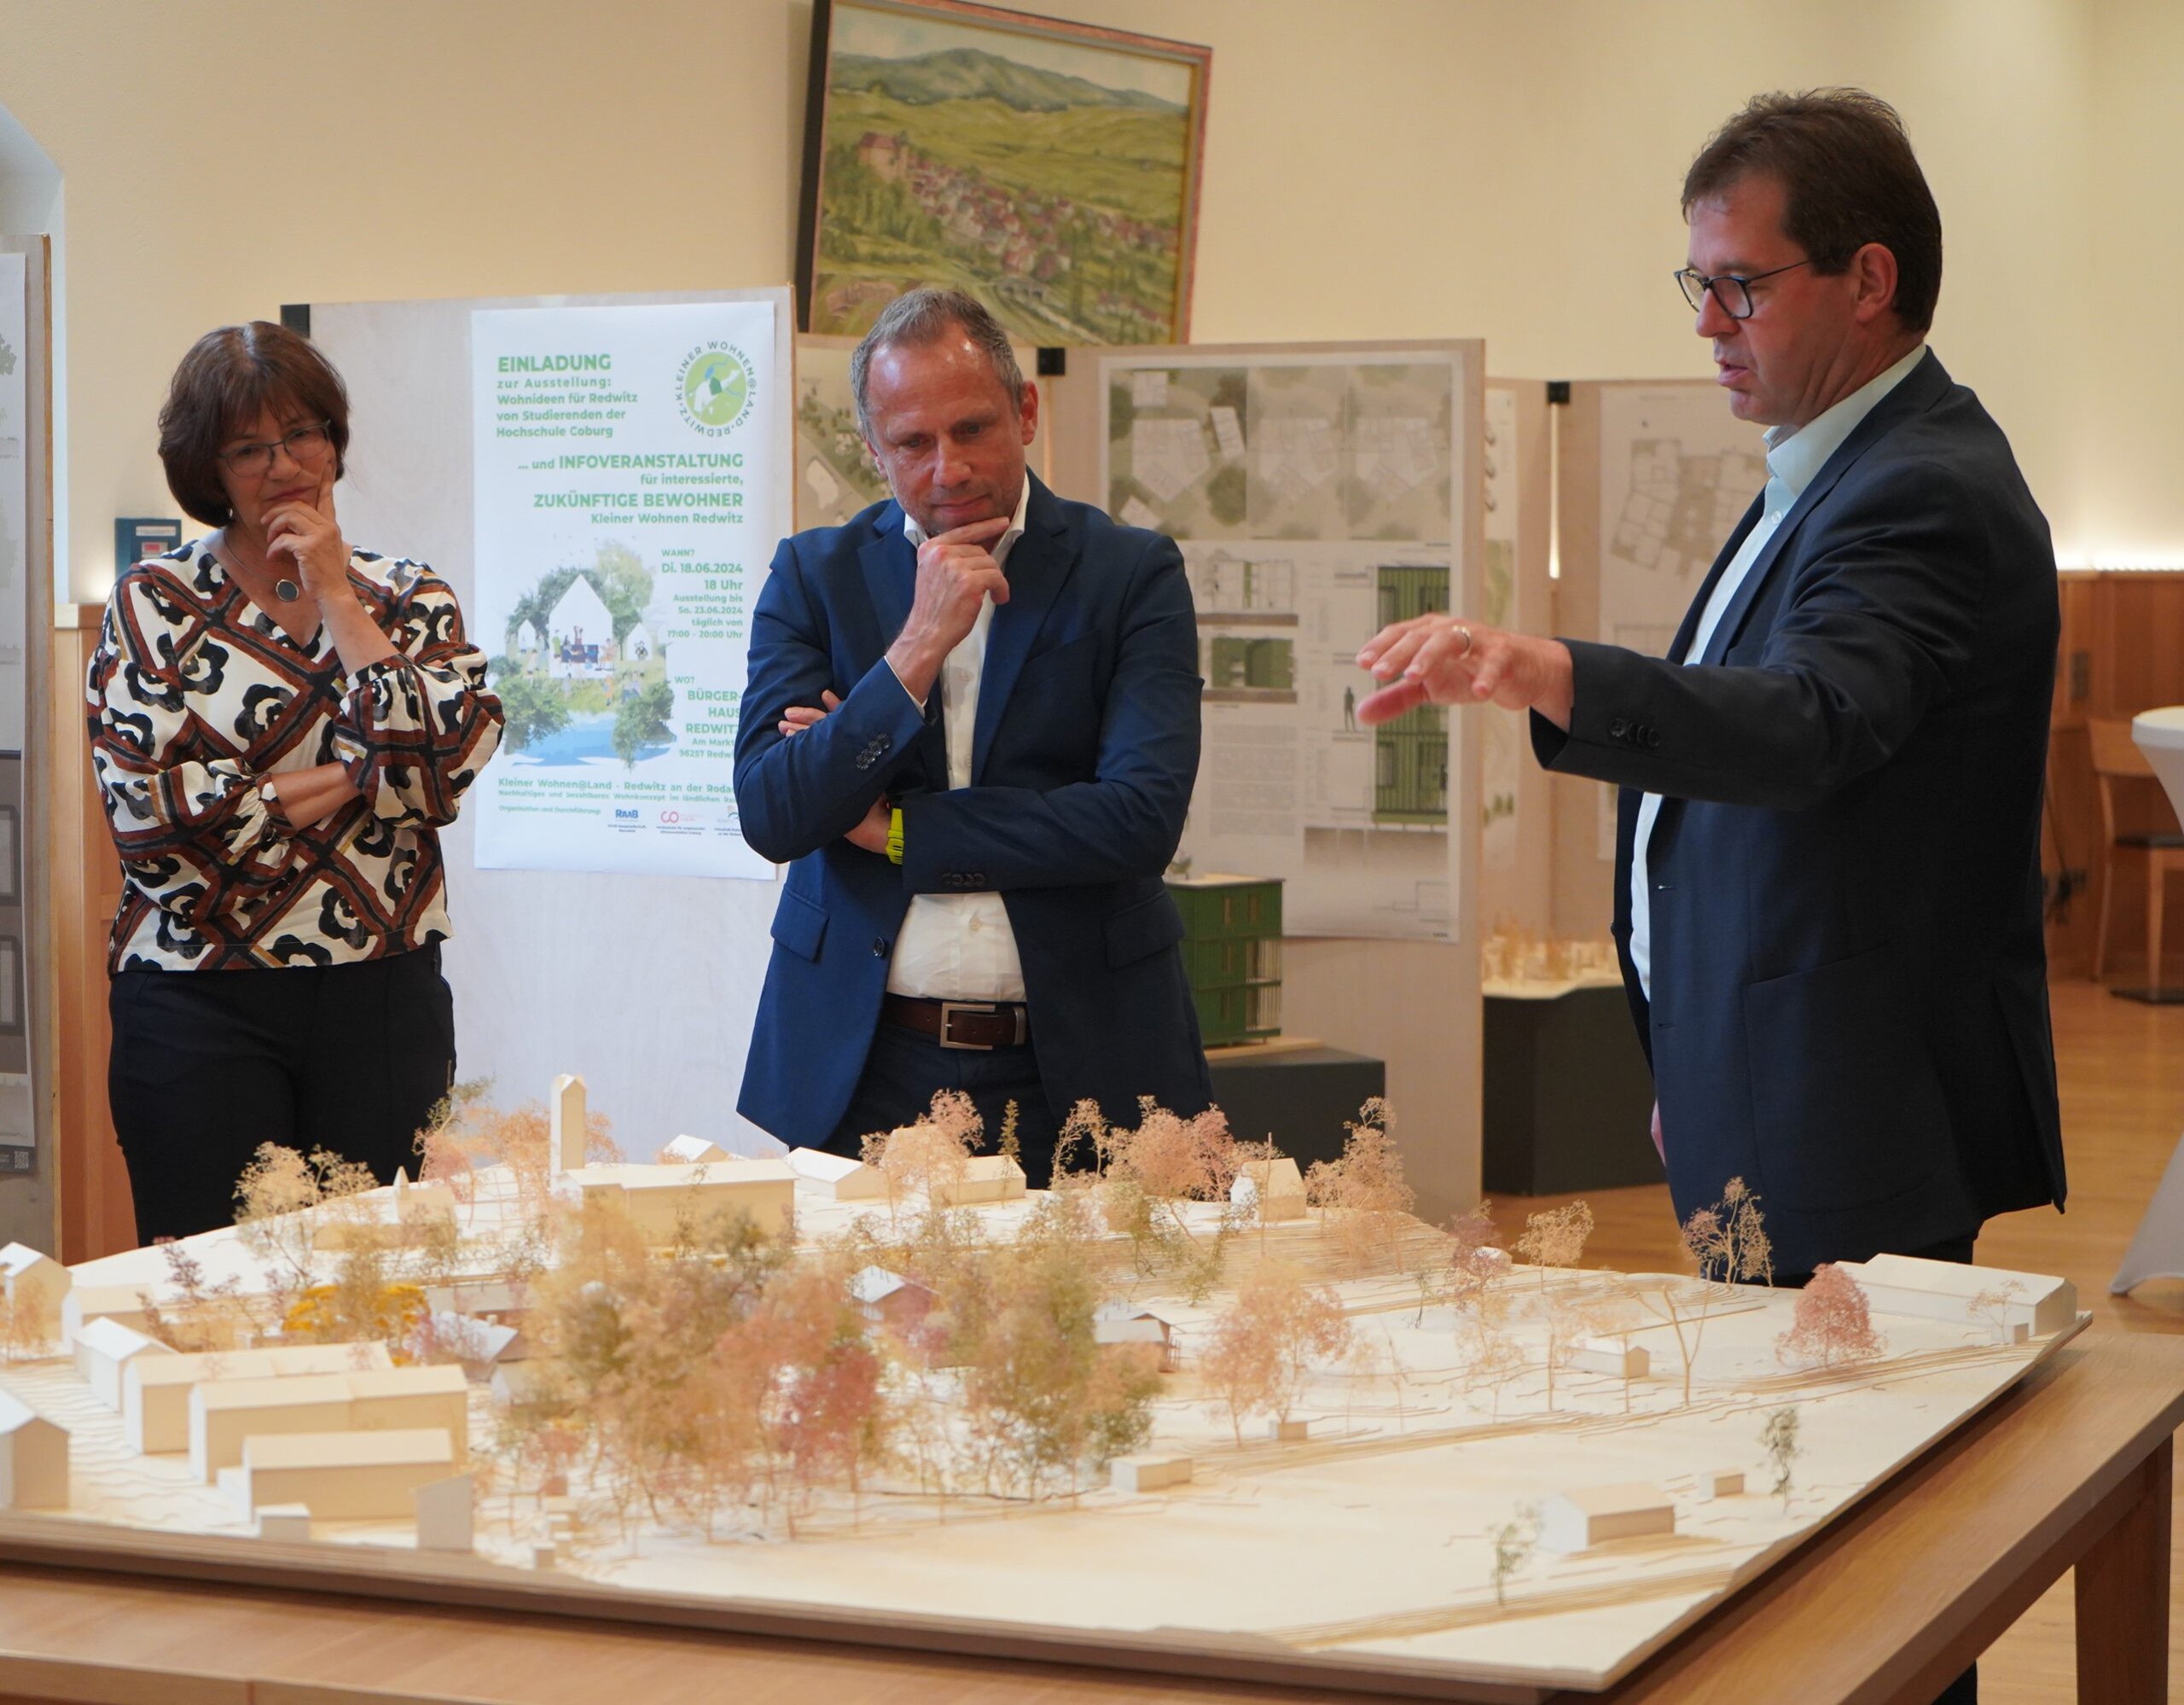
pixel 2122 1599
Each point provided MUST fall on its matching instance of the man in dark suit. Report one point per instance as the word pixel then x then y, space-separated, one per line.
pixel 971 729
pixel 1828 891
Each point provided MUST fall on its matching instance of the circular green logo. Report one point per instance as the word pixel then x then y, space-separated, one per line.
pixel 715 387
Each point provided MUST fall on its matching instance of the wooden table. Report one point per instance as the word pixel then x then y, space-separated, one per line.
pixel 2071 1468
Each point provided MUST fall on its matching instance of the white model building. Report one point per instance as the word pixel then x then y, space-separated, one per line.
pixel 1148 1472
pixel 1125 1322
pixel 566 1115
pixel 691 1151
pixel 1274 1187
pixel 104 1350
pixel 495 1297
pixel 1614 1356
pixel 1944 1290
pixel 288 1524
pixel 83 1304
pixel 660 1199
pixel 155 1390
pixel 446 1512
pixel 34 1285
pixel 1593 1515
pixel 1721 1483
pixel 33 1458
pixel 986 1178
pixel 889 1300
pixel 409 1216
pixel 836 1178
pixel 224 1414
pixel 342 1476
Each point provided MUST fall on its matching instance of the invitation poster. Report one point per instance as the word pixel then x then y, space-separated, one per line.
pixel 624 487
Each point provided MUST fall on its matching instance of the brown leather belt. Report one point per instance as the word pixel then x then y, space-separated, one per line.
pixel 960 1023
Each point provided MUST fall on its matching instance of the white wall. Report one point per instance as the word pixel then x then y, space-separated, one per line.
pixel 1380 168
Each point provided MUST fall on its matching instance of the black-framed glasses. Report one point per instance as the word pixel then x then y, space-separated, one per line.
pixel 304 444
pixel 1731 289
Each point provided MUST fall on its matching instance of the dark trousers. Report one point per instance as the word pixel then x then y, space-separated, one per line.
pixel 207 1065
pixel 1965 1689
pixel 905 1069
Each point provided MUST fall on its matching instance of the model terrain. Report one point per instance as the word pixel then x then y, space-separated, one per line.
pixel 1189 1395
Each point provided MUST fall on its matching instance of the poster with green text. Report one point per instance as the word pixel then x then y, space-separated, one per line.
pixel 625 503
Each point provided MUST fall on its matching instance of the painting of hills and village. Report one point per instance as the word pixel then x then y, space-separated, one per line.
pixel 1051 169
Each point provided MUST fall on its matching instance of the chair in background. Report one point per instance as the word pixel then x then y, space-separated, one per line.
pixel 2117 759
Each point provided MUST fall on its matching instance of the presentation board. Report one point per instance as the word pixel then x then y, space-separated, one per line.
pixel 646 984
pixel 1516 829
pixel 1651 477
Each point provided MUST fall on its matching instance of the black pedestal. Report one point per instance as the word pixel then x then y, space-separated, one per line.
pixel 1567 1099
pixel 1300 1098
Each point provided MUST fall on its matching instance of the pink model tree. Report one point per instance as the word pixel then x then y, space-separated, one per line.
pixel 1556 1238
pixel 1364 1201
pixel 1264 1348
pixel 1833 1322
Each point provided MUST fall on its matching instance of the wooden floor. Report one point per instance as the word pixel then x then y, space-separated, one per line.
pixel 2122 1069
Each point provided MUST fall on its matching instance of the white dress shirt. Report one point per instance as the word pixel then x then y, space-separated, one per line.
pixel 960 946
pixel 1795 455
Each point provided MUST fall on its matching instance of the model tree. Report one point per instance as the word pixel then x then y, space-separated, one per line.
pixel 1264 1348
pixel 1990 1306
pixel 1363 1199
pixel 275 1194
pixel 1780 1439
pixel 1556 1237
pixel 1729 1240
pixel 1151 1171
pixel 928 1157
pixel 1833 1324
pixel 1513 1541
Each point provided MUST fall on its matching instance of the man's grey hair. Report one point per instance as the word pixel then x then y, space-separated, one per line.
pixel 924 317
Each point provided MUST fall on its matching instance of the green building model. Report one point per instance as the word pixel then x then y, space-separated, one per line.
pixel 1231 946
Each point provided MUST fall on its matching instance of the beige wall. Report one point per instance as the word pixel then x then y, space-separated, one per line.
pixel 1376 168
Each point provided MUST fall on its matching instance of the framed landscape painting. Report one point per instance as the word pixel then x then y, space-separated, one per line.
pixel 1050 168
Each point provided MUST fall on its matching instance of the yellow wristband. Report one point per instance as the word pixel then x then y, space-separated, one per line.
pixel 895 835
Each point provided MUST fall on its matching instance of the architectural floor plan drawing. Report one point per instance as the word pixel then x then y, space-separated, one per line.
pixel 1314 498
pixel 1322 1435
pixel 1677 472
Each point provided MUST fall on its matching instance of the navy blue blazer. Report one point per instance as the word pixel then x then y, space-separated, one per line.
pixel 1084 755
pixel 1849 992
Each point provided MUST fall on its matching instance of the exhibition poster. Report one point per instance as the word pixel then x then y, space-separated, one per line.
pixel 1315 499
pixel 1677 472
pixel 625 512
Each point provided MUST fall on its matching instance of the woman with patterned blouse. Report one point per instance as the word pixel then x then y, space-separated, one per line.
pixel 280 724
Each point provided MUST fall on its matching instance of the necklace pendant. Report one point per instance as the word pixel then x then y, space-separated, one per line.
pixel 287 589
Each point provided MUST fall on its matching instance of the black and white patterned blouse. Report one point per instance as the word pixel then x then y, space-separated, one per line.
pixel 196 696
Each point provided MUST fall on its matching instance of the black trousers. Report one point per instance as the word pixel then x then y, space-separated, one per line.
pixel 905 1068
pixel 207 1065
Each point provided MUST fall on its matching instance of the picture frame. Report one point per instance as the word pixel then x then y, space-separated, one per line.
pixel 1050 168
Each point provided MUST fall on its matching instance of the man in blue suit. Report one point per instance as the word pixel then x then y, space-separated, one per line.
pixel 1828 890
pixel 971 730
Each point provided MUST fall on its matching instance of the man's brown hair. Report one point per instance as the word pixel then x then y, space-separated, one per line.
pixel 222 385
pixel 1849 178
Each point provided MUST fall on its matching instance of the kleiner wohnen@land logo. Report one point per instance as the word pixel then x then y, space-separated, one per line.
pixel 716 389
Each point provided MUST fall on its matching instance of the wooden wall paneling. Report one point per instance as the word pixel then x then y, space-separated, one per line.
pixel 97 1214
pixel 2121 652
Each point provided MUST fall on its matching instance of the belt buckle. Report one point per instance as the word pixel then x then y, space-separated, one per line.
pixel 948 1008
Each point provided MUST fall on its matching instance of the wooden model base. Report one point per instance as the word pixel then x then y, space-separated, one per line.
pixel 1362 1554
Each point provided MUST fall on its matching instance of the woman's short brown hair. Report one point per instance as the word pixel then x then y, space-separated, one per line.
pixel 228 380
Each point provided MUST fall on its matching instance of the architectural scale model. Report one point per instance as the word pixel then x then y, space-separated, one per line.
pixel 1134 1414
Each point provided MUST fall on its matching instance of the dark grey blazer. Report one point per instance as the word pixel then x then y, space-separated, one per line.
pixel 1849 996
